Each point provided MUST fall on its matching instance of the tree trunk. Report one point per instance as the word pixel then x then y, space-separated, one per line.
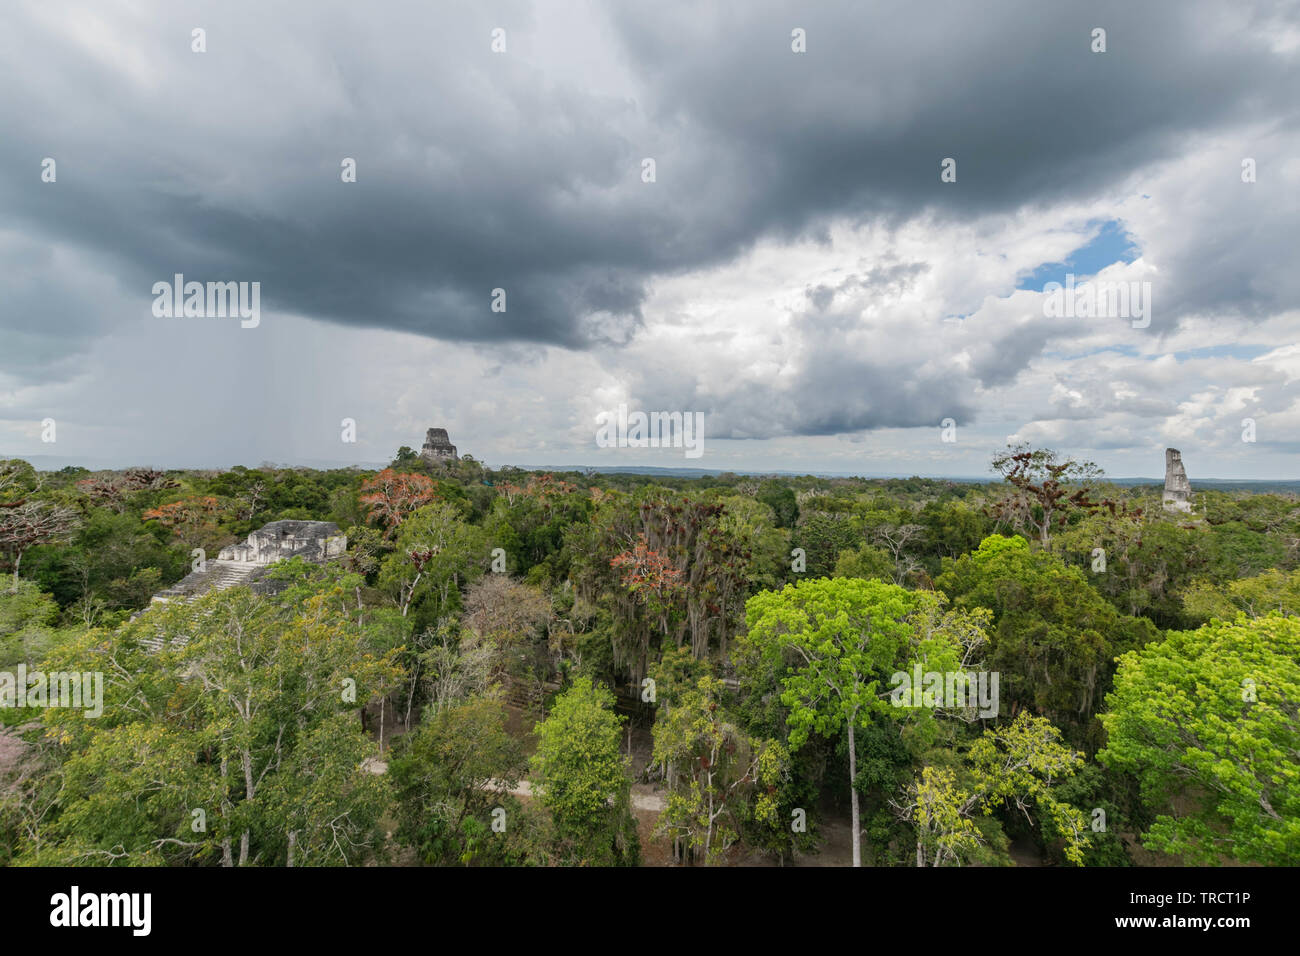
pixel 227 853
pixel 853 790
pixel 708 837
pixel 411 697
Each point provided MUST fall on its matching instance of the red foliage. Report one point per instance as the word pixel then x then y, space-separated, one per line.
pixel 184 512
pixel 646 569
pixel 392 495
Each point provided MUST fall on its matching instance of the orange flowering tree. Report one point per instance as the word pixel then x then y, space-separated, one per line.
pixel 191 519
pixel 391 496
pixel 651 577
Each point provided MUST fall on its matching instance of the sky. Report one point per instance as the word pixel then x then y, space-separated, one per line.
pixel 803 269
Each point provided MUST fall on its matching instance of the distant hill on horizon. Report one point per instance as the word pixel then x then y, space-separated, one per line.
pixel 1219 484
pixel 55 463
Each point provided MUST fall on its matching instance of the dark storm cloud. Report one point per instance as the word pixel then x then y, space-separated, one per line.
pixel 835 388
pixel 1011 90
pixel 478 171
pixel 842 395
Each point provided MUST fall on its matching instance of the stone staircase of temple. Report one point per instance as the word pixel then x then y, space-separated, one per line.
pixel 246 563
pixel 217 576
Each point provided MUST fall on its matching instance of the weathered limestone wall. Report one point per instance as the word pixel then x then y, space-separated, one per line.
pixel 438 447
pixel 245 564
pixel 310 540
pixel 1178 490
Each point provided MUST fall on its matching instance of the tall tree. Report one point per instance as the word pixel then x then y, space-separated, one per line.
pixel 391 496
pixel 437 553
pixel 714 771
pixel 1048 483
pixel 581 777
pixel 1054 638
pixel 841 638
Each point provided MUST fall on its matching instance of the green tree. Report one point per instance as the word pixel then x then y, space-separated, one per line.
pixel 865 562
pixel 1016 765
pixel 449 774
pixel 1054 638
pixel 27 634
pixel 437 553
pixel 246 714
pixel 823 536
pixel 1241 550
pixel 951 530
pixel 18 479
pixel 581 777
pixel 27 618
pixel 1209 717
pixel 1144 561
pixel 113 559
pixel 1255 597
pixel 406 457
pixel 716 773
pixel 781 499
pixel 840 638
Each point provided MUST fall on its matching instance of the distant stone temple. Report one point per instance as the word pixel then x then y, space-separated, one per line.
pixel 1178 490
pixel 438 447
pixel 246 563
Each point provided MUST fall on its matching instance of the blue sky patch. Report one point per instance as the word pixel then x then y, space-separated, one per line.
pixel 1111 244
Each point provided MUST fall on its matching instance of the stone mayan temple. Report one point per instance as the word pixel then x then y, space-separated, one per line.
pixel 438 447
pixel 245 563
pixel 1178 490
